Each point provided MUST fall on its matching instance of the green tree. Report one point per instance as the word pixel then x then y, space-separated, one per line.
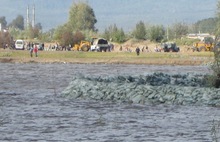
pixel 3 22
pixel 215 80
pixel 81 17
pixel 66 38
pixel 58 32
pixel 179 30
pixel 114 34
pixel 6 38
pixel 38 26
pixel 205 25
pixel 140 31
pixel 77 37
pixel 217 30
pixel 18 22
pixel 156 33
pixel 120 36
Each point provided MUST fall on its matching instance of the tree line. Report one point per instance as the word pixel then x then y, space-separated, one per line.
pixel 81 26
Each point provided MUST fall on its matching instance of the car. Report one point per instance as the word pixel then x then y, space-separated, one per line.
pixel 100 44
pixel 19 44
pixel 40 46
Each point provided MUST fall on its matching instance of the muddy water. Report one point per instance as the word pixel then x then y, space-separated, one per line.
pixel 32 110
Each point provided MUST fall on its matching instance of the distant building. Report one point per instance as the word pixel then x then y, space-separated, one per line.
pixel 0 27
pixel 200 36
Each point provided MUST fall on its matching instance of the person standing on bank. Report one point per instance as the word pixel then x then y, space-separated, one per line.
pixel 31 51
pixel 35 50
pixel 138 51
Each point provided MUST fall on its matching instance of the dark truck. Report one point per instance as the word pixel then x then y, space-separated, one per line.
pixel 170 47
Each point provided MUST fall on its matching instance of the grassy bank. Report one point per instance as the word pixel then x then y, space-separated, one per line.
pixel 187 58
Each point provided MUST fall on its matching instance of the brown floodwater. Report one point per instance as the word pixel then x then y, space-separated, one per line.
pixel 32 109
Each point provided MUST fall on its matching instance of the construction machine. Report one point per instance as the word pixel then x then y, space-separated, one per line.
pixel 82 46
pixel 202 46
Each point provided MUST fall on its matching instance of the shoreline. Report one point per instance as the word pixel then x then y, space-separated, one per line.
pixel 181 62
pixel 150 58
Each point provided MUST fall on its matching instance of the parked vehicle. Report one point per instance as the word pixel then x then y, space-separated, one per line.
pixel 202 46
pixel 170 47
pixel 100 44
pixel 40 46
pixel 19 44
pixel 82 46
pixel 207 44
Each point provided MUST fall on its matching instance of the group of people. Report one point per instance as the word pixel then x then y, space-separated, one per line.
pixel 34 49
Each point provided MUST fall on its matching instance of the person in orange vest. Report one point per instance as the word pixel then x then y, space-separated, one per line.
pixel 35 50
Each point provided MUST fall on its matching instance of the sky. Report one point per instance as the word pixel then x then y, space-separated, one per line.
pixel 124 13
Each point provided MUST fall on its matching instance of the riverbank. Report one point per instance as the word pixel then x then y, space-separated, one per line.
pixel 147 58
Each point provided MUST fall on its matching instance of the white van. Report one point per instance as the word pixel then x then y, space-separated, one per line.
pixel 19 44
pixel 100 44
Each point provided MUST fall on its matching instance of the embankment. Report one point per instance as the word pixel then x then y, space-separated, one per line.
pixel 156 88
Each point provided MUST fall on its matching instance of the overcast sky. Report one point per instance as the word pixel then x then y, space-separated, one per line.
pixel 124 13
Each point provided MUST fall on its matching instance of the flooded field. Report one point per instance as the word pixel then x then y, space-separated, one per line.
pixel 31 108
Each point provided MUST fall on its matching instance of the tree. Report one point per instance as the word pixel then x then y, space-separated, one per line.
pixel 114 34
pixel 77 37
pixel 217 30
pixel 58 32
pixel 156 33
pixel 38 26
pixel 5 38
pixel 215 80
pixel 18 22
pixel 205 25
pixel 81 17
pixel 179 30
pixel 3 22
pixel 140 31
pixel 66 38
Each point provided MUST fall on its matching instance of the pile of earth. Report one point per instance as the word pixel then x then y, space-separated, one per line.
pixel 156 88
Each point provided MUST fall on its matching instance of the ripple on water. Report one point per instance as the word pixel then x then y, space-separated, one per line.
pixel 30 110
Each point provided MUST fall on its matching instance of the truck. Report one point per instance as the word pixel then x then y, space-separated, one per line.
pixel 99 45
pixel 170 47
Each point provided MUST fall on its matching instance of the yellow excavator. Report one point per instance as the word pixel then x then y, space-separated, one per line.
pixel 82 46
pixel 202 46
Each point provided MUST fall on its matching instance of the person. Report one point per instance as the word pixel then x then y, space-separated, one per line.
pixel 120 49
pixel 138 51
pixel 157 49
pixel 42 46
pixel 142 49
pixel 35 50
pixel 147 49
pixel 31 51
pixel 29 45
